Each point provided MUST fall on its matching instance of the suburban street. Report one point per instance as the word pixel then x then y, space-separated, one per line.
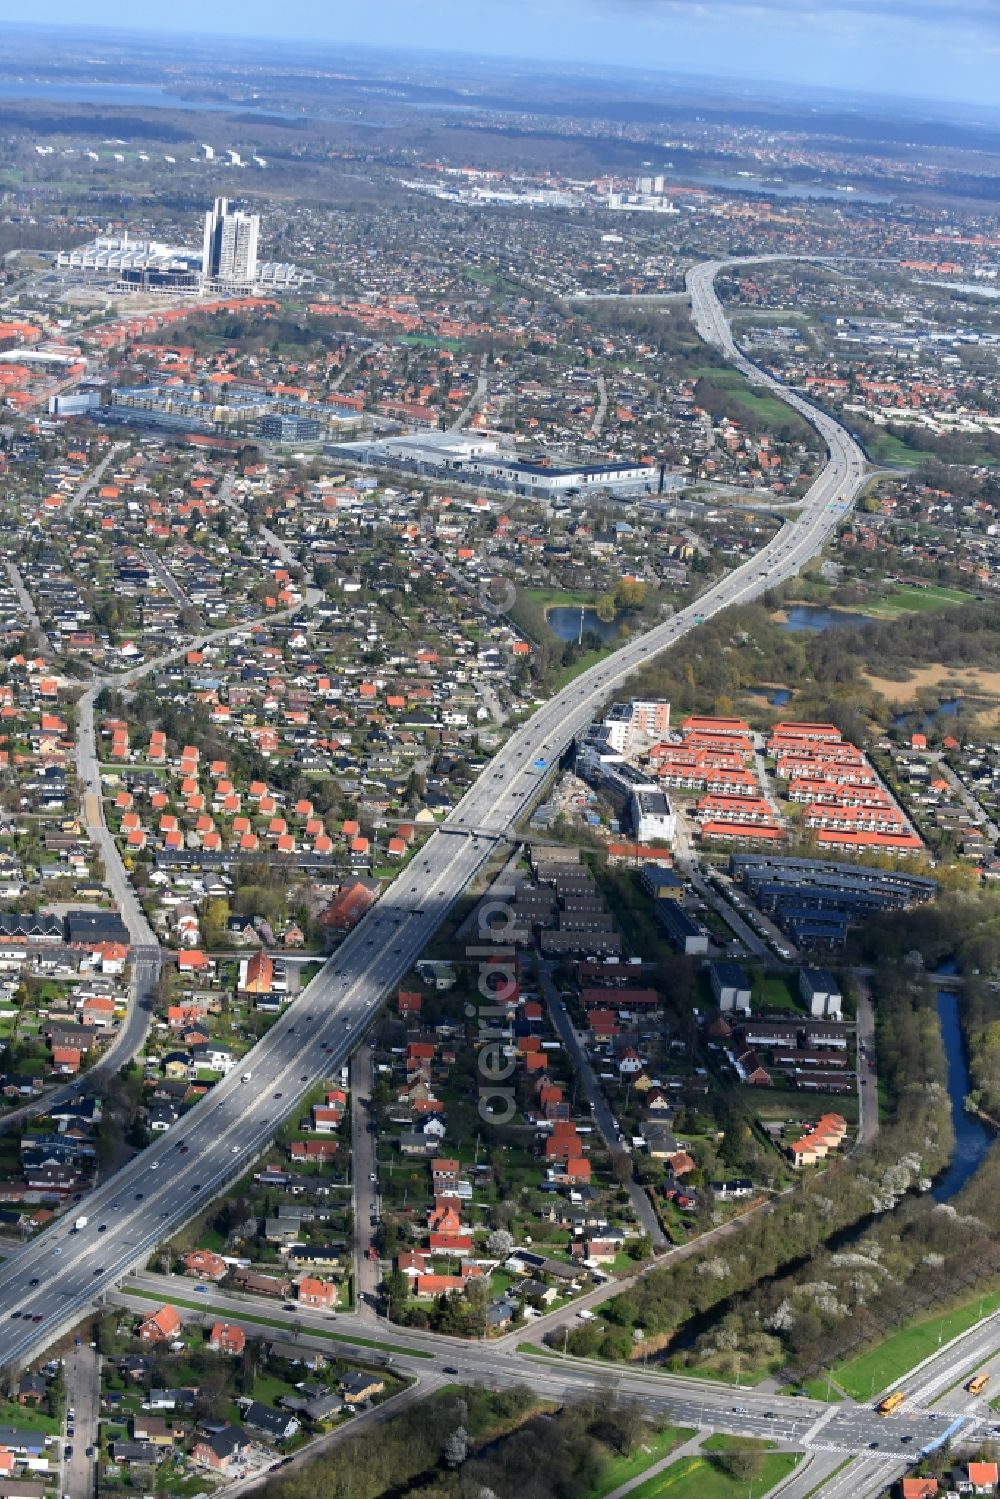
pixel 82 1373
pixel 365 1192
pixel 591 1090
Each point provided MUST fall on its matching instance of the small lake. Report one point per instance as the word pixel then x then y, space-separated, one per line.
pixel 814 617
pixel 564 621
pixel 973 1138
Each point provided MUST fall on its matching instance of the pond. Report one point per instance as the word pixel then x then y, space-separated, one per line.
pixel 949 707
pixel 778 697
pixel 565 621
pixel 973 1138
pixel 814 617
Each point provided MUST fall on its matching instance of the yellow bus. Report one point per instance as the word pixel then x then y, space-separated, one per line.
pixel 977 1384
pixel 891 1403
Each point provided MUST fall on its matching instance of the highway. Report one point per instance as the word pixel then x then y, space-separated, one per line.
pixel 52 1282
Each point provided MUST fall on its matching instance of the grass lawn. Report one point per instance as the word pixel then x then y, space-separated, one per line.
pixel 701 1478
pixel 774 992
pixel 725 1441
pixel 268 1389
pixel 864 1376
pixel 907 600
pixel 26 1416
pixel 792 1103
pixel 657 1446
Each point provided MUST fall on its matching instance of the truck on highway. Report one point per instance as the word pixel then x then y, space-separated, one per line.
pixel 891 1403
pixel 977 1384
pixel 80 1222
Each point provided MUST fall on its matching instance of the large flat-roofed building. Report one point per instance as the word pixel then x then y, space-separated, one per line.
pixel 652 817
pixel 135 264
pixel 815 901
pixel 481 460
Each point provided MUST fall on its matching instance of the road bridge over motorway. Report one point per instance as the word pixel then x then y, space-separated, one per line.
pixel 57 1277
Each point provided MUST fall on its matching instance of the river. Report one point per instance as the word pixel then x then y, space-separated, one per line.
pixel 973 1138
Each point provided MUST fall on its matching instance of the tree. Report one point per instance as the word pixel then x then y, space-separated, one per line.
pixel 396 1290
pixel 745 1463
pixel 456 1448
pixel 500 1243
pixel 621 1167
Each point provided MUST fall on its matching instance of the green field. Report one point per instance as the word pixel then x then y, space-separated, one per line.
pixel 431 341
pixel 864 1376
pixel 701 1478
pixel 886 448
pixel 656 1447
pixel 769 408
pixel 909 600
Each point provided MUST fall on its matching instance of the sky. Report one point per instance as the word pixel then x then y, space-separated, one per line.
pixel 933 49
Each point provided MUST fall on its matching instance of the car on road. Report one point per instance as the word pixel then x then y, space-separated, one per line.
pixel 372 1177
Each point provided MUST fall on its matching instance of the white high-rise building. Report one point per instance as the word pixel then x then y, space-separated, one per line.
pixel 229 255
